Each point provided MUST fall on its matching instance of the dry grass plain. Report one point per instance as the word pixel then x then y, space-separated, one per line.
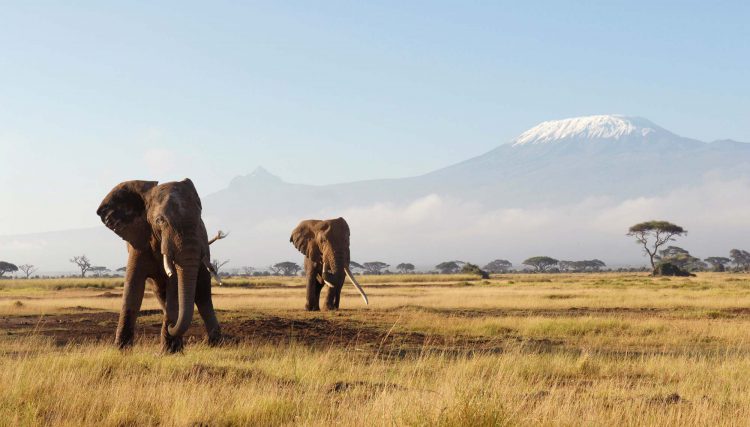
pixel 594 349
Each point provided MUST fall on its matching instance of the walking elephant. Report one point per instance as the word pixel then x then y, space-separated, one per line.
pixel 325 244
pixel 168 247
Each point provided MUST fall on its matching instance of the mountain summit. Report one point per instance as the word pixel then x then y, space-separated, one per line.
pixel 589 127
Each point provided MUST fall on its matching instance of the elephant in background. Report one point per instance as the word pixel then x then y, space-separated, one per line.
pixel 167 246
pixel 325 244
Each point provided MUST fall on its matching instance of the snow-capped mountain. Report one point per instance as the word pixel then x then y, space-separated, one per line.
pixel 537 194
pixel 608 127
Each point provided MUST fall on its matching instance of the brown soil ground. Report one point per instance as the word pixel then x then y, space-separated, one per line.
pixel 310 329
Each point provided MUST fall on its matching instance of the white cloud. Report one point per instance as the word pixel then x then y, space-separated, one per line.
pixel 435 228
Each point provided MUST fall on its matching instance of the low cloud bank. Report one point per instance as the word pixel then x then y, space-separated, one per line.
pixel 434 228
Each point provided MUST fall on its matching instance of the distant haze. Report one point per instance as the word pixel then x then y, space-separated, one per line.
pixel 565 188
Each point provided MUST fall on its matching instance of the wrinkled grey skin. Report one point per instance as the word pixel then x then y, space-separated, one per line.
pixel 158 221
pixel 323 241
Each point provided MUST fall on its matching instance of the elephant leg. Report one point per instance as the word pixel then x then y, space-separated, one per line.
pixel 132 298
pixel 333 296
pixel 337 298
pixel 331 299
pixel 206 307
pixel 313 291
pixel 169 343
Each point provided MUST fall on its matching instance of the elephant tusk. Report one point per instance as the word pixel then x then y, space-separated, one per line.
pixel 212 271
pixel 329 284
pixel 168 266
pixel 356 284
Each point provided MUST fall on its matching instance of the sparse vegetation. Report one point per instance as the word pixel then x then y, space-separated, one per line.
pixel 541 263
pixel 83 263
pixel 374 267
pixel 515 349
pixel 405 268
pixel 7 267
pixel 652 235
pixel 286 268
pixel 498 266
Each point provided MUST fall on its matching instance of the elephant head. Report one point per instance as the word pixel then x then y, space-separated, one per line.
pixel 325 244
pixel 163 221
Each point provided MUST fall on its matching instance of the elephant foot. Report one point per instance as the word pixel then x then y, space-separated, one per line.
pixel 309 307
pixel 171 345
pixel 125 330
pixel 124 340
pixel 331 307
pixel 215 338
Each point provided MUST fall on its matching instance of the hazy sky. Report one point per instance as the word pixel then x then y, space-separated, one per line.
pixel 94 94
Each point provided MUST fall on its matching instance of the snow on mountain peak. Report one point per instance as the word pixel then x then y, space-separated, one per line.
pixel 589 127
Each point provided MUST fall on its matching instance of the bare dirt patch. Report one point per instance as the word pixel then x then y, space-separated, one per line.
pixel 313 330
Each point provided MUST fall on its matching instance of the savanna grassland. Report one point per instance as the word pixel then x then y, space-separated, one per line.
pixel 589 349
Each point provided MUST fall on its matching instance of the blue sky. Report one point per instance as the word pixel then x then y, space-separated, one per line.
pixel 94 94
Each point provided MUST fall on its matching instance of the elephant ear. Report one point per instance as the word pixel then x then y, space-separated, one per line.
pixel 124 203
pixel 191 186
pixel 303 237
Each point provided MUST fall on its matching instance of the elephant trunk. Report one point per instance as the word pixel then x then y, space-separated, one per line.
pixel 187 278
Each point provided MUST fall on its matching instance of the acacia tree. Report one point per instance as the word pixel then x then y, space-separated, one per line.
pixel 98 271
pixel 652 235
pixel 405 267
pixel 740 258
pixel 27 269
pixel 498 266
pixel 470 268
pixel 286 268
pixel 681 258
pixel 582 266
pixel 718 263
pixel 374 267
pixel 83 263
pixel 541 263
pixel 449 267
pixel 217 264
pixel 6 267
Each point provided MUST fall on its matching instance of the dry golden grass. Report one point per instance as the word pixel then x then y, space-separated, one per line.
pixel 594 349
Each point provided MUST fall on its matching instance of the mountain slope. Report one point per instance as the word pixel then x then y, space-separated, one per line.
pixel 567 188
pixel 555 162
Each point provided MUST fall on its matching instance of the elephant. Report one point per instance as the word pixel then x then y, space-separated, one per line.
pixel 325 244
pixel 167 246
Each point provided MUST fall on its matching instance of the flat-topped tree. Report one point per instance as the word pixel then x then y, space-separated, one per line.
pixel 449 267
pixel 541 263
pixel 405 267
pixel 286 268
pixel 498 266
pixel 374 267
pixel 681 258
pixel 740 258
pixel 6 267
pixel 652 235
pixel 719 263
